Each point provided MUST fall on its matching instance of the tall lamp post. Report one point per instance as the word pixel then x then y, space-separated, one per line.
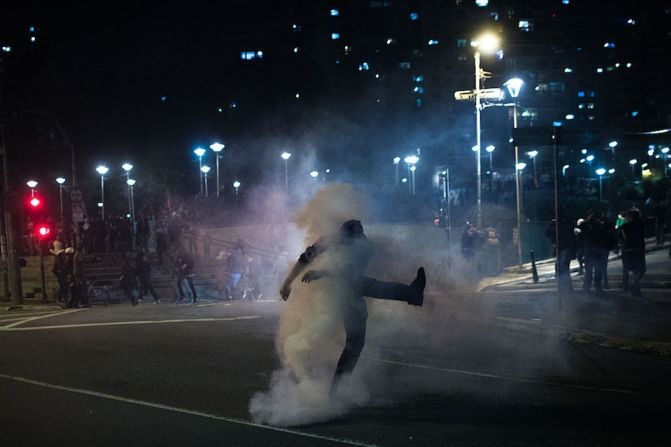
pixel 131 182
pixel 205 170
pixel 397 160
pixel 490 151
pixel 600 172
pixel 32 184
pixel 633 162
pixel 60 181
pixel 665 159
pixel 533 155
pixel 411 161
pixel 487 43
pixel 217 148
pixel 127 167
pixel 651 152
pixel 236 185
pixel 286 156
pixel 514 86
pixel 199 151
pixel 102 170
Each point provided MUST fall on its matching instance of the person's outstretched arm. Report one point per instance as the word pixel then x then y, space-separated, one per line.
pixel 296 270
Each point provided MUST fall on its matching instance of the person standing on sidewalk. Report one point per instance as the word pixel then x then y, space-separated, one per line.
pixel 596 242
pixel 632 240
pixel 564 247
pixel 143 271
pixel 184 270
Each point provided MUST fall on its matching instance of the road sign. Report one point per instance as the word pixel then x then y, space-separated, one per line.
pixel 486 93
pixel 76 194
pixel 78 212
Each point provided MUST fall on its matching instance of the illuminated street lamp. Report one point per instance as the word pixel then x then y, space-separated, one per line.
pixel 32 184
pixel 633 162
pixel 236 186
pixel 514 86
pixel 411 161
pixel 217 148
pixel 314 174
pixel 665 153
pixel 651 152
pixel 397 160
pixel 563 170
pixel 199 151
pixel 102 170
pixel 486 43
pixel 61 181
pixel 286 156
pixel 131 182
pixel 127 167
pixel 205 170
pixel 532 155
pixel 600 172
pixel 490 150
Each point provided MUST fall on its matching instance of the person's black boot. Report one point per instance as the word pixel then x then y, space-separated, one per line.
pixel 416 297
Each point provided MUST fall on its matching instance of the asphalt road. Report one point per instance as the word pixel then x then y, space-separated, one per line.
pixel 184 375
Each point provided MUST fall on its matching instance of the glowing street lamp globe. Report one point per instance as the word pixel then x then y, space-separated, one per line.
pixel 514 86
pixel 217 147
pixel 490 148
pixel 130 182
pixel 285 155
pixel 102 169
pixel 314 174
pixel 127 167
pixel 205 169
pixel 199 151
pixel 397 160
pixel 488 43
pixel 600 172
pixel 60 180
pixel 411 159
pixel 31 183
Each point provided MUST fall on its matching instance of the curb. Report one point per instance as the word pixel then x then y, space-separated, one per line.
pixel 572 334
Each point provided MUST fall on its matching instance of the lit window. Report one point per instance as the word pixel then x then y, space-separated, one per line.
pixel 590 117
pixel 364 66
pixel 391 41
pixel 570 116
pixel 335 36
pixel 219 109
pixel 232 105
pixel 568 70
pixel 525 25
pixel 433 42
pixel 414 16
pixel 581 106
pixel 164 98
pixel 7 49
pixel 296 27
pixel 609 45
pixel 590 105
pixel 581 94
pixel 462 42
pixel 31 29
pixel 634 113
pixel 335 13
pixel 419 102
pixel 565 2
pixel 599 70
pixel 591 94
pixel 541 88
pixel 499 55
pixel 494 16
pixel 631 22
pixel 462 57
pixel 556 124
pixel 418 90
pixel 418 78
pixel 249 55
pixel 482 3
pixel 404 65
pixel 628 64
pixel 32 38
pixel 295 49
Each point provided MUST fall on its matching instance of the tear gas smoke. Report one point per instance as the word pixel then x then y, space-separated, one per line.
pixel 310 335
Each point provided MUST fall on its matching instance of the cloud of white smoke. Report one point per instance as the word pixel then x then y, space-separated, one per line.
pixel 310 335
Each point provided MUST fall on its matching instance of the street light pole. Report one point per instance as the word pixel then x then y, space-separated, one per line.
pixel 205 170
pixel 217 148
pixel 397 160
pixel 199 151
pixel 600 172
pixel 490 150
pixel 131 182
pixel 102 170
pixel 478 168
pixel 60 181
pixel 285 156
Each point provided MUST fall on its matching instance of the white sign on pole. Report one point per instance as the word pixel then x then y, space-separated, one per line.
pixel 486 93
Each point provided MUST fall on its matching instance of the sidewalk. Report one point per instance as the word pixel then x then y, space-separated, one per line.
pixel 512 276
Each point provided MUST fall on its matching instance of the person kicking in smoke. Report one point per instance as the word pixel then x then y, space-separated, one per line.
pixel 353 252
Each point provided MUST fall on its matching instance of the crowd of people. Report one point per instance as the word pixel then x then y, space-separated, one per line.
pixel 590 240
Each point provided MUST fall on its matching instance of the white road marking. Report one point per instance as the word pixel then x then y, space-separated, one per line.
pixel 499 377
pixel 122 323
pixel 39 317
pixel 181 410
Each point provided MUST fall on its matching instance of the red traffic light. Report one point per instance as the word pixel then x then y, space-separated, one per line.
pixel 43 231
pixel 35 202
